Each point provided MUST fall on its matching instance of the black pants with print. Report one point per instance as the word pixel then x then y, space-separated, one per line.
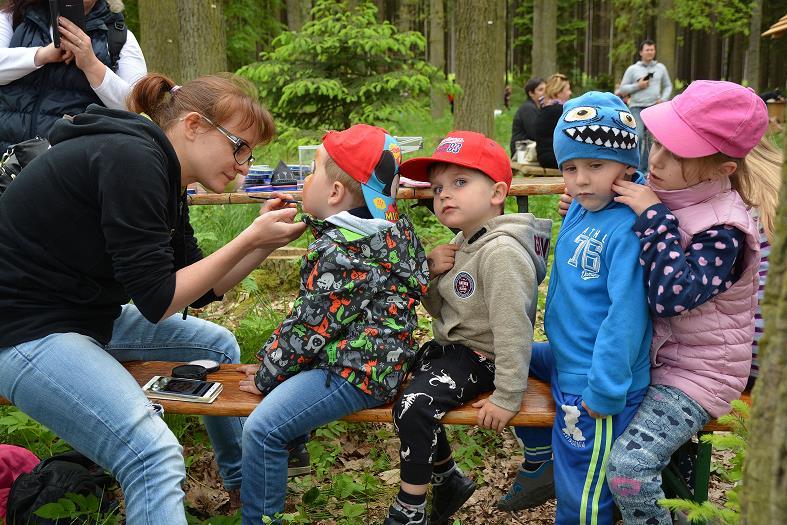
pixel 444 378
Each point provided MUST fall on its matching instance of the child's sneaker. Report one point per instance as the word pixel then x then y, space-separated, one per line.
pixel 399 515
pixel 449 492
pixel 530 489
pixel 299 462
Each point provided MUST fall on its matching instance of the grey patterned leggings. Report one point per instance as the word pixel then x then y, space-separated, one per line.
pixel 666 419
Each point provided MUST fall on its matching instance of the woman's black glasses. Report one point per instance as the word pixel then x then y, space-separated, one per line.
pixel 243 154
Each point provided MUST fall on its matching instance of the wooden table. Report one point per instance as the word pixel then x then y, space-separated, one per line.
pixel 521 188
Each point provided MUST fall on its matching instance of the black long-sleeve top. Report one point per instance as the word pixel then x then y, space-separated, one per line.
pixel 94 222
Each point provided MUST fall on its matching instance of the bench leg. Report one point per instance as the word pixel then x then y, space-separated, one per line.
pixel 702 470
pixel 521 204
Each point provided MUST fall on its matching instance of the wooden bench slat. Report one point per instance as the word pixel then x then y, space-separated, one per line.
pixel 538 408
pixel 520 187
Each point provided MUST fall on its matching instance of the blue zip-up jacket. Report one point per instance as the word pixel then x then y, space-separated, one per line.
pixel 596 311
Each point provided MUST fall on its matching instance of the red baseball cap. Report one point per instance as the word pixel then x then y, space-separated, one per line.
pixel 464 148
pixel 710 116
pixel 371 156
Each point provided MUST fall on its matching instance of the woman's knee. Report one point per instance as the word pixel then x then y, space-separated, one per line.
pixel 223 343
pixel 154 455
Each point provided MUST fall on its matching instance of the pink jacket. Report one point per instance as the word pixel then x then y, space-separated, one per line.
pixel 14 461
pixel 706 352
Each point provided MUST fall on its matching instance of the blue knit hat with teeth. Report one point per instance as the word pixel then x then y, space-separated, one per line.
pixel 596 126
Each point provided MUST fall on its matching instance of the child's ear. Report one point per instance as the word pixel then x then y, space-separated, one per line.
pixel 726 169
pixel 629 174
pixel 337 193
pixel 500 191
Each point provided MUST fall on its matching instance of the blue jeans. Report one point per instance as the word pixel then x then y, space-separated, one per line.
pixel 78 389
pixel 644 140
pixel 666 419
pixel 295 407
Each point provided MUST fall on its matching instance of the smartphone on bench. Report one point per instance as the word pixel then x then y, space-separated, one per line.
pixel 74 10
pixel 180 389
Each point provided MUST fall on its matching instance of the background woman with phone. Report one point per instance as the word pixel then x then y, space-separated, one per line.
pixel 100 219
pixel 39 83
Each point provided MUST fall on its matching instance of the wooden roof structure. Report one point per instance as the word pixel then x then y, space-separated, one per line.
pixel 777 29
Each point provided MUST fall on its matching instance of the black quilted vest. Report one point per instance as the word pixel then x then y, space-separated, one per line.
pixel 29 106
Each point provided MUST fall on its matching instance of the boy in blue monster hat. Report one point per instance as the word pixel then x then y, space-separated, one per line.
pixel 596 316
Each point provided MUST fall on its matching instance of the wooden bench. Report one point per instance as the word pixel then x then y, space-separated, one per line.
pixel 521 188
pixel 538 410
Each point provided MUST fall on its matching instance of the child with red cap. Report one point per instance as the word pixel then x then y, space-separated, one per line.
pixel 700 254
pixel 346 343
pixel 483 298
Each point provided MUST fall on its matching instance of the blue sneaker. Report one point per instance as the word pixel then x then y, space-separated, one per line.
pixel 530 489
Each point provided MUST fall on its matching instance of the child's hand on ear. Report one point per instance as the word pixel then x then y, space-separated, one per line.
pixel 492 416
pixel 563 204
pixel 636 196
pixel 441 259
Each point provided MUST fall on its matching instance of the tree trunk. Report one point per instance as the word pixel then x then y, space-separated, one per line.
pixel 183 38
pixel 476 56
pixel 751 73
pixel 297 13
pixel 498 79
pixel 437 53
pixel 765 471
pixel 544 38
pixel 666 29
pixel 404 18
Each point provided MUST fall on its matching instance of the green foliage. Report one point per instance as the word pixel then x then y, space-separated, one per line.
pixel 735 441
pixel 470 446
pixel 17 428
pixel 726 17
pixel 251 26
pixel 569 31
pixel 77 508
pixel 630 26
pixel 343 67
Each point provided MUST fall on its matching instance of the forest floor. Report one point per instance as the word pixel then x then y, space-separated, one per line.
pixel 367 455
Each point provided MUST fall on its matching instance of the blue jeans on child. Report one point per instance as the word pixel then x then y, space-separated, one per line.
pixel 295 407
pixel 581 447
pixel 666 419
pixel 78 389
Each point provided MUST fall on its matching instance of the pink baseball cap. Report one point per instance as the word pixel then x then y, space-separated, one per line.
pixel 711 116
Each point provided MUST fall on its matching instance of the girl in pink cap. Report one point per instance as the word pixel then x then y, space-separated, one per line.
pixel 700 253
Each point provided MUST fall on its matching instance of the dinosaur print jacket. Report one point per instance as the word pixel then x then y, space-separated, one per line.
pixel 355 312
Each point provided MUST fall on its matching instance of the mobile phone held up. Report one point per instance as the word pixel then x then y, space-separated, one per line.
pixel 648 76
pixel 74 10
pixel 179 389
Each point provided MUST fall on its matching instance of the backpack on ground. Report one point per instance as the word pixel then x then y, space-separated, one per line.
pixel 52 479
pixel 17 157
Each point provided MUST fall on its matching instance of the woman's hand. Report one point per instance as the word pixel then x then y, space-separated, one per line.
pixel 492 416
pixel 275 226
pixel 247 384
pixel 50 54
pixel 76 42
pixel 636 196
pixel 441 259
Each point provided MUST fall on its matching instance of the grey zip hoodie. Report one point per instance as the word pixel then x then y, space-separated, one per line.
pixel 488 300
